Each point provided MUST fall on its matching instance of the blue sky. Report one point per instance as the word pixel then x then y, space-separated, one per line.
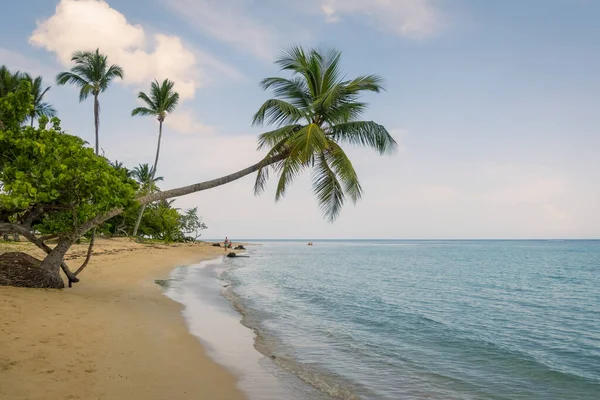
pixel 495 105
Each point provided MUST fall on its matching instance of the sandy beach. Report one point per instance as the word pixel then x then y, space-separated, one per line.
pixel 114 335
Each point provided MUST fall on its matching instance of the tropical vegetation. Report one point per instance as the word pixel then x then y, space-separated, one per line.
pixel 92 74
pixel 162 101
pixel 52 186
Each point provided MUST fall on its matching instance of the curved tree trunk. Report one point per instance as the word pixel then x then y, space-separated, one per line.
pixel 181 191
pixel 39 242
pixel 54 259
pixel 141 214
pixel 198 187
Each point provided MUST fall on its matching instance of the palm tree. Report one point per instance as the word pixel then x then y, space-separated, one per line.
pixel 93 76
pixel 315 112
pixel 144 175
pixel 39 107
pixel 9 81
pixel 162 101
pixel 118 165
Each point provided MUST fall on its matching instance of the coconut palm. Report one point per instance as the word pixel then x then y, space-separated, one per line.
pixel 162 101
pixel 9 81
pixel 144 175
pixel 118 165
pixel 93 75
pixel 40 107
pixel 314 113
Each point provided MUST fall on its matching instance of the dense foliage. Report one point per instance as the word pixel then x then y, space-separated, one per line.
pixel 51 182
pixel 49 170
pixel 58 182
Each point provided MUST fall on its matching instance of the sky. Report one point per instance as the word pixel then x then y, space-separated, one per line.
pixel 495 106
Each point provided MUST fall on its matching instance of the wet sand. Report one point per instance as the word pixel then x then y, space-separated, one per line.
pixel 112 336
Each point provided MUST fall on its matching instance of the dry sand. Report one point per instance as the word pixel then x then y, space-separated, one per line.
pixel 112 336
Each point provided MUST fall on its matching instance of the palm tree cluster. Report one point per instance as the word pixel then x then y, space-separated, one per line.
pixel 314 113
pixel 10 81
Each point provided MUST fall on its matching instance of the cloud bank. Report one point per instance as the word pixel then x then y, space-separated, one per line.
pixel 90 24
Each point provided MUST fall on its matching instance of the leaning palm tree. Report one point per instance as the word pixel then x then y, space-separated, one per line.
pixel 162 101
pixel 40 107
pixel 315 112
pixel 93 75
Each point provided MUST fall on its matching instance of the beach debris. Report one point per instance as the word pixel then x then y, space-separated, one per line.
pixel 216 244
pixel 240 247
pixel 232 254
pixel 23 270
pixel 164 283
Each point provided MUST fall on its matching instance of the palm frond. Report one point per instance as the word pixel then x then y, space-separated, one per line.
pixel 85 91
pixel 143 111
pixel 331 69
pixel 293 59
pixel 44 109
pixel 150 102
pixel 114 71
pixel 343 168
pixel 294 90
pixel 64 78
pixel 263 172
pixel 288 170
pixel 328 189
pixel 271 138
pixel 364 133
pixel 369 83
pixel 277 112
pixel 307 142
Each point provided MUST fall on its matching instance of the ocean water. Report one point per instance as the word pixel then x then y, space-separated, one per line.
pixel 414 319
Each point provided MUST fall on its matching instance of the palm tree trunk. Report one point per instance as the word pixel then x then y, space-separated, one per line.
pixel 97 121
pixel 96 125
pixel 197 187
pixel 160 123
pixel 32 116
pixel 138 220
pixel 141 214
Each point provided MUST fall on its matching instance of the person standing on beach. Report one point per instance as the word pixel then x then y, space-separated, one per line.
pixel 226 243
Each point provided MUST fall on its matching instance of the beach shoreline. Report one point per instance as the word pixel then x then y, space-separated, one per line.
pixel 113 335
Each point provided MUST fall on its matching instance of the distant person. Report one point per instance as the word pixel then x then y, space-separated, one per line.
pixel 226 243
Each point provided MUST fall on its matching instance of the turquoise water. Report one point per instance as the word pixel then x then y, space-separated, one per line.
pixel 427 320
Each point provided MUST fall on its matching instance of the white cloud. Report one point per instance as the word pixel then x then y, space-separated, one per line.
pixel 415 19
pixel 226 21
pixel 90 24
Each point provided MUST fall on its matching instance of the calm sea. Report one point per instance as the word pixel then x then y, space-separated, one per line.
pixel 411 319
